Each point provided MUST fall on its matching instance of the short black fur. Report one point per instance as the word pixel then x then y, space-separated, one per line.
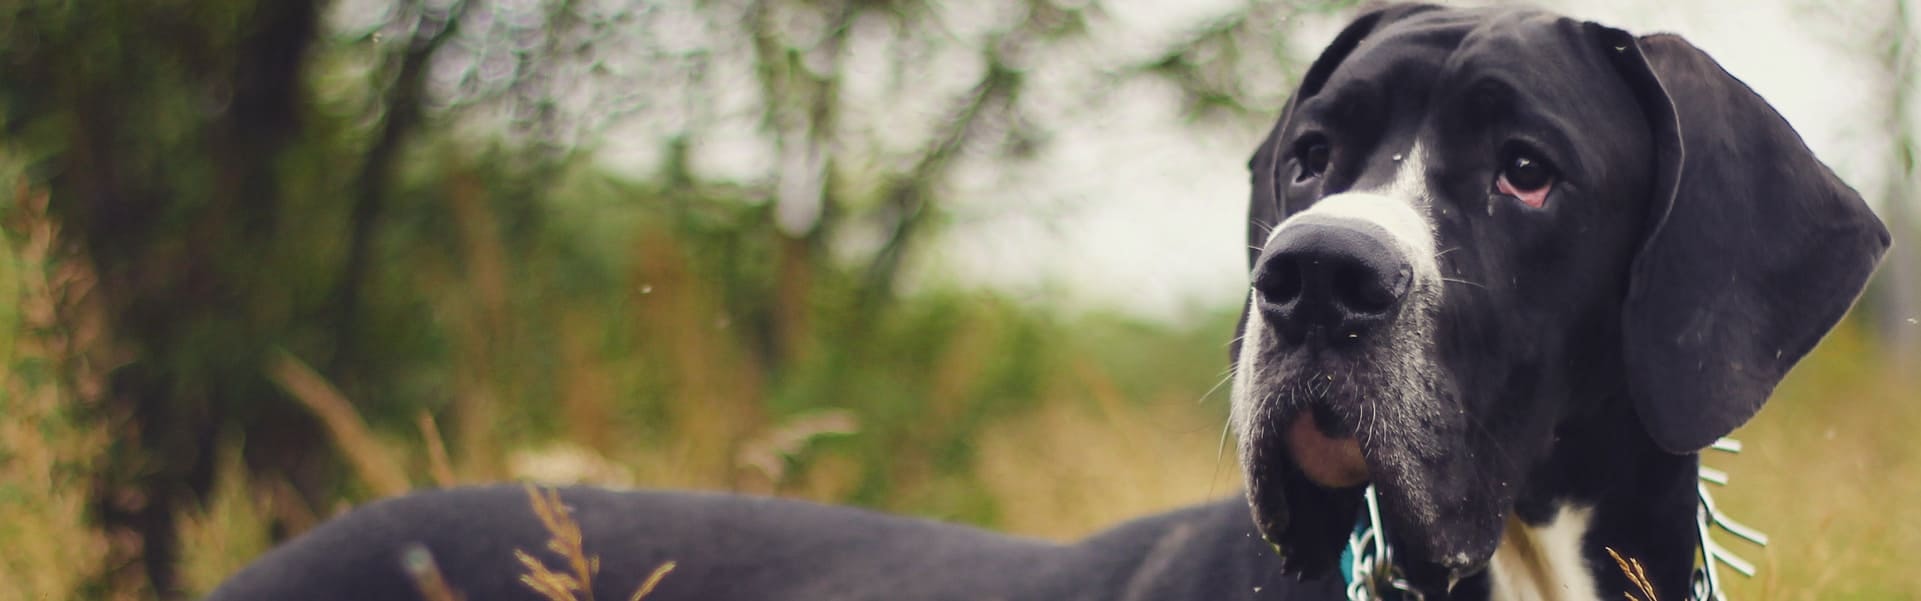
pixel 1577 353
pixel 729 547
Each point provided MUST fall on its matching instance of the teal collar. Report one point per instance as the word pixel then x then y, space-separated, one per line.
pixel 1368 570
pixel 1367 564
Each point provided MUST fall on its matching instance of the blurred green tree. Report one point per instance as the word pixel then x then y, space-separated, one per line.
pixel 253 175
pixel 167 132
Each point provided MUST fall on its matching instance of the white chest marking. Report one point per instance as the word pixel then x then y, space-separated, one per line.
pixel 1544 563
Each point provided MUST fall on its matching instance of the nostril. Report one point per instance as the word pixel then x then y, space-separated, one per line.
pixel 1366 290
pixel 1279 281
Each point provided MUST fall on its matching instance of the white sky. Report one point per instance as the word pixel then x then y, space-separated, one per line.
pixel 1131 209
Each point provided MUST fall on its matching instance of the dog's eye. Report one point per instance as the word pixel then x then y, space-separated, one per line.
pixel 1313 153
pixel 1526 177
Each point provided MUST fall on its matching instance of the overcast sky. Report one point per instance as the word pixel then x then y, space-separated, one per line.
pixel 1132 209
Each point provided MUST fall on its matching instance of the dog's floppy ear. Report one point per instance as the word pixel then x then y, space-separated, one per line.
pixel 1752 250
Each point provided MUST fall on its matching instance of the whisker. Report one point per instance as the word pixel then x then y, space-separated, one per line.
pixel 1368 416
pixel 1361 430
pixel 1220 452
pixel 1360 423
pixel 1461 281
pixel 1374 426
pixel 1367 423
pixel 1217 386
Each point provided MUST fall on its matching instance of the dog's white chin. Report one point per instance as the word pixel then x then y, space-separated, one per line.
pixel 1327 461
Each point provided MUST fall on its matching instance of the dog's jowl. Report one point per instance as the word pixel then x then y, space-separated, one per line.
pixel 1508 269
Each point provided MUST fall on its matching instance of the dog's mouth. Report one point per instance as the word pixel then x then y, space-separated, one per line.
pixel 1326 455
pixel 1312 466
pixel 1321 427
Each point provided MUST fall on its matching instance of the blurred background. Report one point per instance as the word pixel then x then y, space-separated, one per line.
pixel 976 261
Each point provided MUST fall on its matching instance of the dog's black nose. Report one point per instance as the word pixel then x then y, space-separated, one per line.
pixel 1334 277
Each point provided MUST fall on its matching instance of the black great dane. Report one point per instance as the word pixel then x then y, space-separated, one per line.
pixel 1509 269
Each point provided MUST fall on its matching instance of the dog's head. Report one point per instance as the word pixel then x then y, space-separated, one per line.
pixel 1473 231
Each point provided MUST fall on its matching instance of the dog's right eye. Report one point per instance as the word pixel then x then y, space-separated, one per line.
pixel 1313 154
pixel 1525 176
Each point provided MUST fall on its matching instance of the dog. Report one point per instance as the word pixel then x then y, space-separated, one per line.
pixel 1508 270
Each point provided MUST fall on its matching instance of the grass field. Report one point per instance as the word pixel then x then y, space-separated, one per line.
pixel 961 406
pixel 1825 473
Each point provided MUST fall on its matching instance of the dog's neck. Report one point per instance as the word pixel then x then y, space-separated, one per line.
pixel 1545 562
pixel 1624 495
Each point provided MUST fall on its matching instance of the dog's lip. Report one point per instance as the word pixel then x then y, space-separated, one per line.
pixel 1333 462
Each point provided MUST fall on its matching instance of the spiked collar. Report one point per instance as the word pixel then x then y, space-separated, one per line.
pixel 1368 568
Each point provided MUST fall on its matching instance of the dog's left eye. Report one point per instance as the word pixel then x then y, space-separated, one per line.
pixel 1314 154
pixel 1526 177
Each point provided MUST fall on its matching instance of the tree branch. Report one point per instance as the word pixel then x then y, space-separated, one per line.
pixel 907 197
pixel 403 102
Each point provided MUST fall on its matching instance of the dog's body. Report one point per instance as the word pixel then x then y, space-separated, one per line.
pixel 1510 269
pixel 729 547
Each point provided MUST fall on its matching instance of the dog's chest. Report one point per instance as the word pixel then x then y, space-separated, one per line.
pixel 1544 563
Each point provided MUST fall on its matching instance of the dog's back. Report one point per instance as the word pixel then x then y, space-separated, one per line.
pixel 728 547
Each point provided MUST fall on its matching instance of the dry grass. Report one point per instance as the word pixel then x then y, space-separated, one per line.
pixel 1637 575
pixel 52 377
pixel 1823 474
pixel 575 579
pixel 1829 473
pixel 231 526
pixel 426 575
pixel 1090 459
pixel 438 465
pixel 368 455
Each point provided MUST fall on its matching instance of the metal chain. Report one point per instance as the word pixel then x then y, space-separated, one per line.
pixel 1372 575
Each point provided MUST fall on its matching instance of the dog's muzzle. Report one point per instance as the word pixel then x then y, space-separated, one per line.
pixel 1334 348
pixel 1327 283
